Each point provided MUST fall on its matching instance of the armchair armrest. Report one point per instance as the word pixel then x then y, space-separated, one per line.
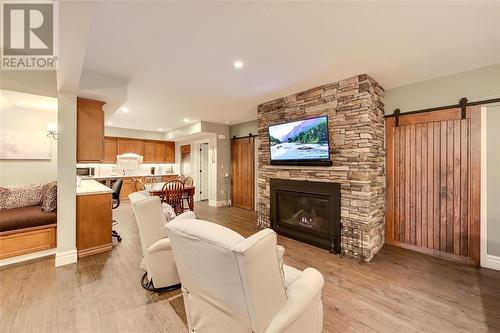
pixel 189 215
pixel 160 245
pixel 301 295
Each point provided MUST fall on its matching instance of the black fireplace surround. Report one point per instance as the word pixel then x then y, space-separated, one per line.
pixel 307 211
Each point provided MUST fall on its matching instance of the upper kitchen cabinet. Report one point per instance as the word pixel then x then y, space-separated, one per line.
pixel 90 130
pixel 110 150
pixel 169 152
pixel 159 152
pixel 149 151
pixel 130 146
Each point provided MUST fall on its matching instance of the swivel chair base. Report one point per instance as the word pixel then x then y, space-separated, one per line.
pixel 115 234
pixel 148 285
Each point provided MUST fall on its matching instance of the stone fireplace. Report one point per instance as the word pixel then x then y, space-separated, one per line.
pixel 356 128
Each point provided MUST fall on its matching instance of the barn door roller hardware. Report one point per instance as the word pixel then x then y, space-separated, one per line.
pixel 463 107
pixel 396 117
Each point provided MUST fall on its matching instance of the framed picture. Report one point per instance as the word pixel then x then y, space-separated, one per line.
pixel 24 145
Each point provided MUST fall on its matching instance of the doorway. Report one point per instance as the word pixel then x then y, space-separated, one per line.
pixel 243 172
pixel 204 172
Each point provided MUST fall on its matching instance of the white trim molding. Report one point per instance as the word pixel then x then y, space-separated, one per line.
pixel 487 260
pixel 66 258
pixel 26 257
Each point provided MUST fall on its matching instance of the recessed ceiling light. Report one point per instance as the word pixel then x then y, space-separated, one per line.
pixel 125 110
pixel 238 64
pixel 160 129
pixel 109 123
pixel 186 120
pixel 227 122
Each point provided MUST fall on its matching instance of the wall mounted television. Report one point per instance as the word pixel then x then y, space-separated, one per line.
pixel 303 142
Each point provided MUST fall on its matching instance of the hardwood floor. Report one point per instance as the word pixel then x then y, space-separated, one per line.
pixel 399 291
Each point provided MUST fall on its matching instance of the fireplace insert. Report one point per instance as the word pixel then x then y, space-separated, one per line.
pixel 307 211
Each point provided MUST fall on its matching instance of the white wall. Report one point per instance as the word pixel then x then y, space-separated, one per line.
pixel 28 171
pixel 493 179
pixel 478 84
pixel 132 133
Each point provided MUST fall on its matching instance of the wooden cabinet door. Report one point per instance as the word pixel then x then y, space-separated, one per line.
pixel 90 130
pixel 149 152
pixel 160 149
pixel 127 188
pixel 110 150
pixel 169 152
pixel 130 146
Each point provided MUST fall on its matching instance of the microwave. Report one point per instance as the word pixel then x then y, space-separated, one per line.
pixel 85 172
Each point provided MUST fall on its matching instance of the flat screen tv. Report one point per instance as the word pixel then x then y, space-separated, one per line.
pixel 303 142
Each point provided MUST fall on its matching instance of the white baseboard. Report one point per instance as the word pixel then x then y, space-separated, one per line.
pixel 66 258
pixel 214 203
pixel 490 261
pixel 28 256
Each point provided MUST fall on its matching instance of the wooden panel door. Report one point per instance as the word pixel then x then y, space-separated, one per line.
pixel 90 130
pixel 110 150
pixel 433 183
pixel 242 166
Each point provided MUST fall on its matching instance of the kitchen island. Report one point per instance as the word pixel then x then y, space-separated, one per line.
pixel 94 218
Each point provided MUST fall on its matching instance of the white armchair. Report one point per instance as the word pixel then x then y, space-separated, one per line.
pixel 158 261
pixel 233 284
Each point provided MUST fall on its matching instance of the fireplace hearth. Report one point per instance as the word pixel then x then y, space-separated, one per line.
pixel 307 211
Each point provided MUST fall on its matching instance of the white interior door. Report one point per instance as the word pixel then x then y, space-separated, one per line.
pixel 203 188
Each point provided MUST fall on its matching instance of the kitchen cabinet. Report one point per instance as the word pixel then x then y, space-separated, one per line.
pixel 90 130
pixel 159 152
pixel 132 146
pixel 149 152
pixel 110 150
pixel 127 188
pixel 169 152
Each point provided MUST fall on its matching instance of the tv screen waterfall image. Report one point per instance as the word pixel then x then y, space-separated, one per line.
pixel 300 140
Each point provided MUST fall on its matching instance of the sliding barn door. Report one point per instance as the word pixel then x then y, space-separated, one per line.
pixel 242 167
pixel 433 183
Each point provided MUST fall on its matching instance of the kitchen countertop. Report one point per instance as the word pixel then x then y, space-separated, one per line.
pixel 90 187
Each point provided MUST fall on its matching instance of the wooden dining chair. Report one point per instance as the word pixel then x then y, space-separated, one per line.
pixel 188 182
pixel 185 197
pixel 150 181
pixel 172 193
pixel 138 184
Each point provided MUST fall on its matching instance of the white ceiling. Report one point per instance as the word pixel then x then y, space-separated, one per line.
pixel 18 100
pixel 178 57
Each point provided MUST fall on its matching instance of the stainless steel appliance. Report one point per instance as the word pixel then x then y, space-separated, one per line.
pixel 85 172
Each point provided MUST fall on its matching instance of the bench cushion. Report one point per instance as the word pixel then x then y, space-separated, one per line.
pixel 26 217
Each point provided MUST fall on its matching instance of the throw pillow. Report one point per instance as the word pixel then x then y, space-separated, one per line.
pixel 49 197
pixel 18 196
pixel 168 211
